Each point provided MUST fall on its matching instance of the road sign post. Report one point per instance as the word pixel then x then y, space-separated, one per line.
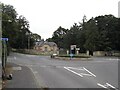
pixel 4 56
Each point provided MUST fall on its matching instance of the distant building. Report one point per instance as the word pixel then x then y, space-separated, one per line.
pixel 119 9
pixel 46 47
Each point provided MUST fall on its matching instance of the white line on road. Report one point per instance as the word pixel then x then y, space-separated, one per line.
pixel 107 85
pixel 76 68
pixel 110 85
pixel 73 72
pixel 113 59
pixel 40 84
pixel 35 72
pixel 101 85
pixel 89 72
pixel 85 74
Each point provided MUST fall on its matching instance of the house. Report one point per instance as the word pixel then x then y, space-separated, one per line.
pixel 45 47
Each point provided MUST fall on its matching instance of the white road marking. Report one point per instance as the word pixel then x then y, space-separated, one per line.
pixel 85 74
pixel 76 68
pixel 89 72
pixel 80 74
pixel 110 85
pixel 107 85
pixel 36 76
pixel 73 72
pixel 113 59
pixel 35 72
pixel 101 85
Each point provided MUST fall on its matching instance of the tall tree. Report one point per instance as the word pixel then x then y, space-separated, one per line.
pixel 9 23
pixel 107 29
pixel 58 36
pixel 92 35
pixel 71 37
pixel 15 29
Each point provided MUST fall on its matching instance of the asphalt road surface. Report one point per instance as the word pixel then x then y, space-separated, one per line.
pixel 100 72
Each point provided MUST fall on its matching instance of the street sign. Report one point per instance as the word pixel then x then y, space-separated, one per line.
pixel 4 39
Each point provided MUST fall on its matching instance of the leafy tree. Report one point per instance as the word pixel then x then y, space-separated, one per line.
pixel 92 35
pixel 36 37
pixel 9 23
pixel 58 36
pixel 16 28
pixel 107 29
pixel 71 37
pixel 99 33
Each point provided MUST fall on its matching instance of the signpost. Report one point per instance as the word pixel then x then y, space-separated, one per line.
pixel 71 55
pixel 4 39
pixel 4 56
pixel 72 50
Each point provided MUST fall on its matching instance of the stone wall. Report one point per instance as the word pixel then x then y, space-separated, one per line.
pixel 99 53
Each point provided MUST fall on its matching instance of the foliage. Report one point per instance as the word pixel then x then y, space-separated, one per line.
pixel 58 36
pixel 16 29
pixel 100 33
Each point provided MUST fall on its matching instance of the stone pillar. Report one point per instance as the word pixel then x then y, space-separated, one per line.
pixel 87 52
pixel 57 52
pixel 67 52
pixel 77 52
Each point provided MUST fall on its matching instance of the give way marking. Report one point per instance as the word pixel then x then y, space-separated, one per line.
pixel 107 86
pixel 82 71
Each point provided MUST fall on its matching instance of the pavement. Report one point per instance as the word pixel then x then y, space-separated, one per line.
pixel 31 71
pixel 22 77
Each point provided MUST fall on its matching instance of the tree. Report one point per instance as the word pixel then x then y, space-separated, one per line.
pixel 9 23
pixel 101 33
pixel 58 36
pixel 36 37
pixel 15 28
pixel 71 37
pixel 91 35
pixel 107 30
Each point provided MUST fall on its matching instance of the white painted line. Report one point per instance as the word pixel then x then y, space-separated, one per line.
pixel 110 85
pixel 35 72
pixel 73 72
pixel 76 68
pixel 89 72
pixel 85 74
pixel 101 85
pixel 113 59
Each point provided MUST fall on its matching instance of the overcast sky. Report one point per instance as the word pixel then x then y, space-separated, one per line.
pixel 45 16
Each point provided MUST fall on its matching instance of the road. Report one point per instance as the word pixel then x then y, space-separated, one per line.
pixel 100 72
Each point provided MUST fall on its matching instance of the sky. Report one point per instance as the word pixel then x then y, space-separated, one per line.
pixel 45 16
